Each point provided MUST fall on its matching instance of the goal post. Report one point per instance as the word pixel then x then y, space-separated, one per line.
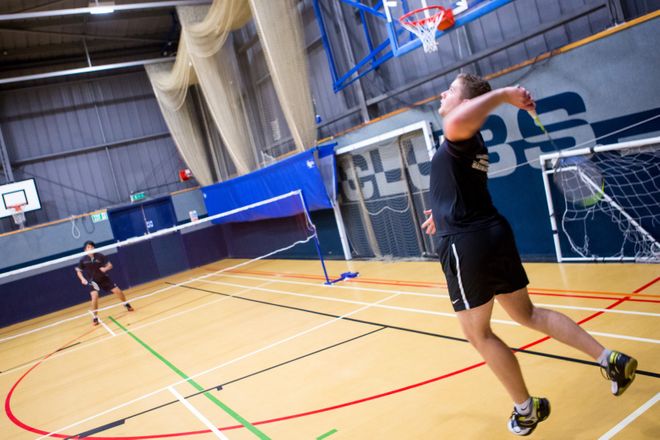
pixel 604 201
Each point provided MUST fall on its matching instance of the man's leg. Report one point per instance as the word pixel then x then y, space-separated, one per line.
pixel 95 305
pixel 555 324
pixel 117 291
pixel 476 327
pixel 619 368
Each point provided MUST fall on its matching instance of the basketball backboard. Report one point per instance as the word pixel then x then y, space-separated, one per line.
pixel 23 192
pixel 396 41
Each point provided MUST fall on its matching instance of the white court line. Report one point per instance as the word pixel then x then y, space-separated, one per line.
pixel 191 280
pixel 273 280
pixel 102 323
pixel 217 367
pixel 432 295
pixel 630 338
pixel 338 286
pixel 420 311
pixel 145 325
pixel 332 299
pixel 198 414
pixel 625 422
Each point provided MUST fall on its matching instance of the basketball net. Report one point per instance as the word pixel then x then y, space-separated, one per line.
pixel 18 215
pixel 425 28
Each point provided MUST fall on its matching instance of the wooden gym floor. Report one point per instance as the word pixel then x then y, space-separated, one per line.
pixel 267 351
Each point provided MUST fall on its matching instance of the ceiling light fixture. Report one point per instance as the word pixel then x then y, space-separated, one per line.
pixel 101 6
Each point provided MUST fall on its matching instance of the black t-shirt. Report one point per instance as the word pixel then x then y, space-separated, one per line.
pixel 459 187
pixel 89 266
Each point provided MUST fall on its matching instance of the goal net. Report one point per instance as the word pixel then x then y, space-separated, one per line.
pixel 604 201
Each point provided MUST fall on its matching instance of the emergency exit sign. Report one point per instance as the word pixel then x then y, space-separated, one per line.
pixel 138 196
pixel 99 217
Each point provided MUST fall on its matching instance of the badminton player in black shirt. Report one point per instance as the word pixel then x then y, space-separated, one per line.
pixel 479 255
pixel 92 271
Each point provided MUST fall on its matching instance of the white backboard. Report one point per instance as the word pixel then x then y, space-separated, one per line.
pixel 22 192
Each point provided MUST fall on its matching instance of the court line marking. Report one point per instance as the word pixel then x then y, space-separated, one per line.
pixel 407 329
pixel 182 284
pixel 198 414
pixel 147 324
pixel 232 268
pixel 272 367
pixel 123 334
pixel 103 324
pixel 431 284
pixel 443 296
pixel 236 416
pixel 420 311
pixel 222 365
pixel 615 304
pixel 326 435
pixel 628 420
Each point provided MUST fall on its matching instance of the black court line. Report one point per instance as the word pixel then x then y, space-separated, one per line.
pixel 220 386
pixel 38 359
pixel 97 430
pixel 421 332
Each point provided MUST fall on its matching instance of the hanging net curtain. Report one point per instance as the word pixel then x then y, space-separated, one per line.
pixel 203 56
pixel 170 82
pixel 280 32
pixel 205 30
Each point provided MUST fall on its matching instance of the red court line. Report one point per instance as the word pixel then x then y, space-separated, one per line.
pixel 8 410
pixel 17 422
pixel 411 284
pixel 647 285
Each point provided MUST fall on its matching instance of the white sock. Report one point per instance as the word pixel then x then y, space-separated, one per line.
pixel 602 359
pixel 525 407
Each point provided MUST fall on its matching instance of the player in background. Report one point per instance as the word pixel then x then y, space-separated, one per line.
pixel 92 270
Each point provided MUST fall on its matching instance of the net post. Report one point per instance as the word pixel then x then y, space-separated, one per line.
pixel 551 209
pixel 316 237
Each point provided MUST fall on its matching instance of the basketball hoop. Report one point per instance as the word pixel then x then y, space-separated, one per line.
pixel 18 215
pixel 433 18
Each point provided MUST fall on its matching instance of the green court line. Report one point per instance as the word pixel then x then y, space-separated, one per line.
pixel 197 386
pixel 327 434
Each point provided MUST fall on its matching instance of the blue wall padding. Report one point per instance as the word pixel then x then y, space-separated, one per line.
pixel 138 263
pixel 205 246
pixel 137 219
pixel 298 172
pixel 170 254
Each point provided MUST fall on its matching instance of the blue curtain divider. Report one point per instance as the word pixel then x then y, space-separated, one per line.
pixel 299 172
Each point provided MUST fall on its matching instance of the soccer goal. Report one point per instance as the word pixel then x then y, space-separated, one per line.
pixel 604 201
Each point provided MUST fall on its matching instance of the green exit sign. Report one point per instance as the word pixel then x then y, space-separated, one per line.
pixel 138 196
pixel 99 217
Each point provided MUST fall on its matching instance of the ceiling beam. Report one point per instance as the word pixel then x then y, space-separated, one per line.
pixel 85 11
pixel 87 36
pixel 54 53
pixel 82 70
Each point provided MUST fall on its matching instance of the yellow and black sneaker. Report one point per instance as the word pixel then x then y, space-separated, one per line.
pixel 525 424
pixel 620 369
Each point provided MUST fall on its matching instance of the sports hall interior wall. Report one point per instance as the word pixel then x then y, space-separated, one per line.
pixel 92 142
pixel 575 107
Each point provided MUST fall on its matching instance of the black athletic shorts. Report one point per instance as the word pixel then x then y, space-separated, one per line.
pixel 104 283
pixel 481 264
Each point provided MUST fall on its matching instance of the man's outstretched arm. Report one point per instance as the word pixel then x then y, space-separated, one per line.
pixel 466 119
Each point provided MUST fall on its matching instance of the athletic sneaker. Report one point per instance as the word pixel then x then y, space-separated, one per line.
pixel 95 321
pixel 520 424
pixel 620 369
pixel 128 307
